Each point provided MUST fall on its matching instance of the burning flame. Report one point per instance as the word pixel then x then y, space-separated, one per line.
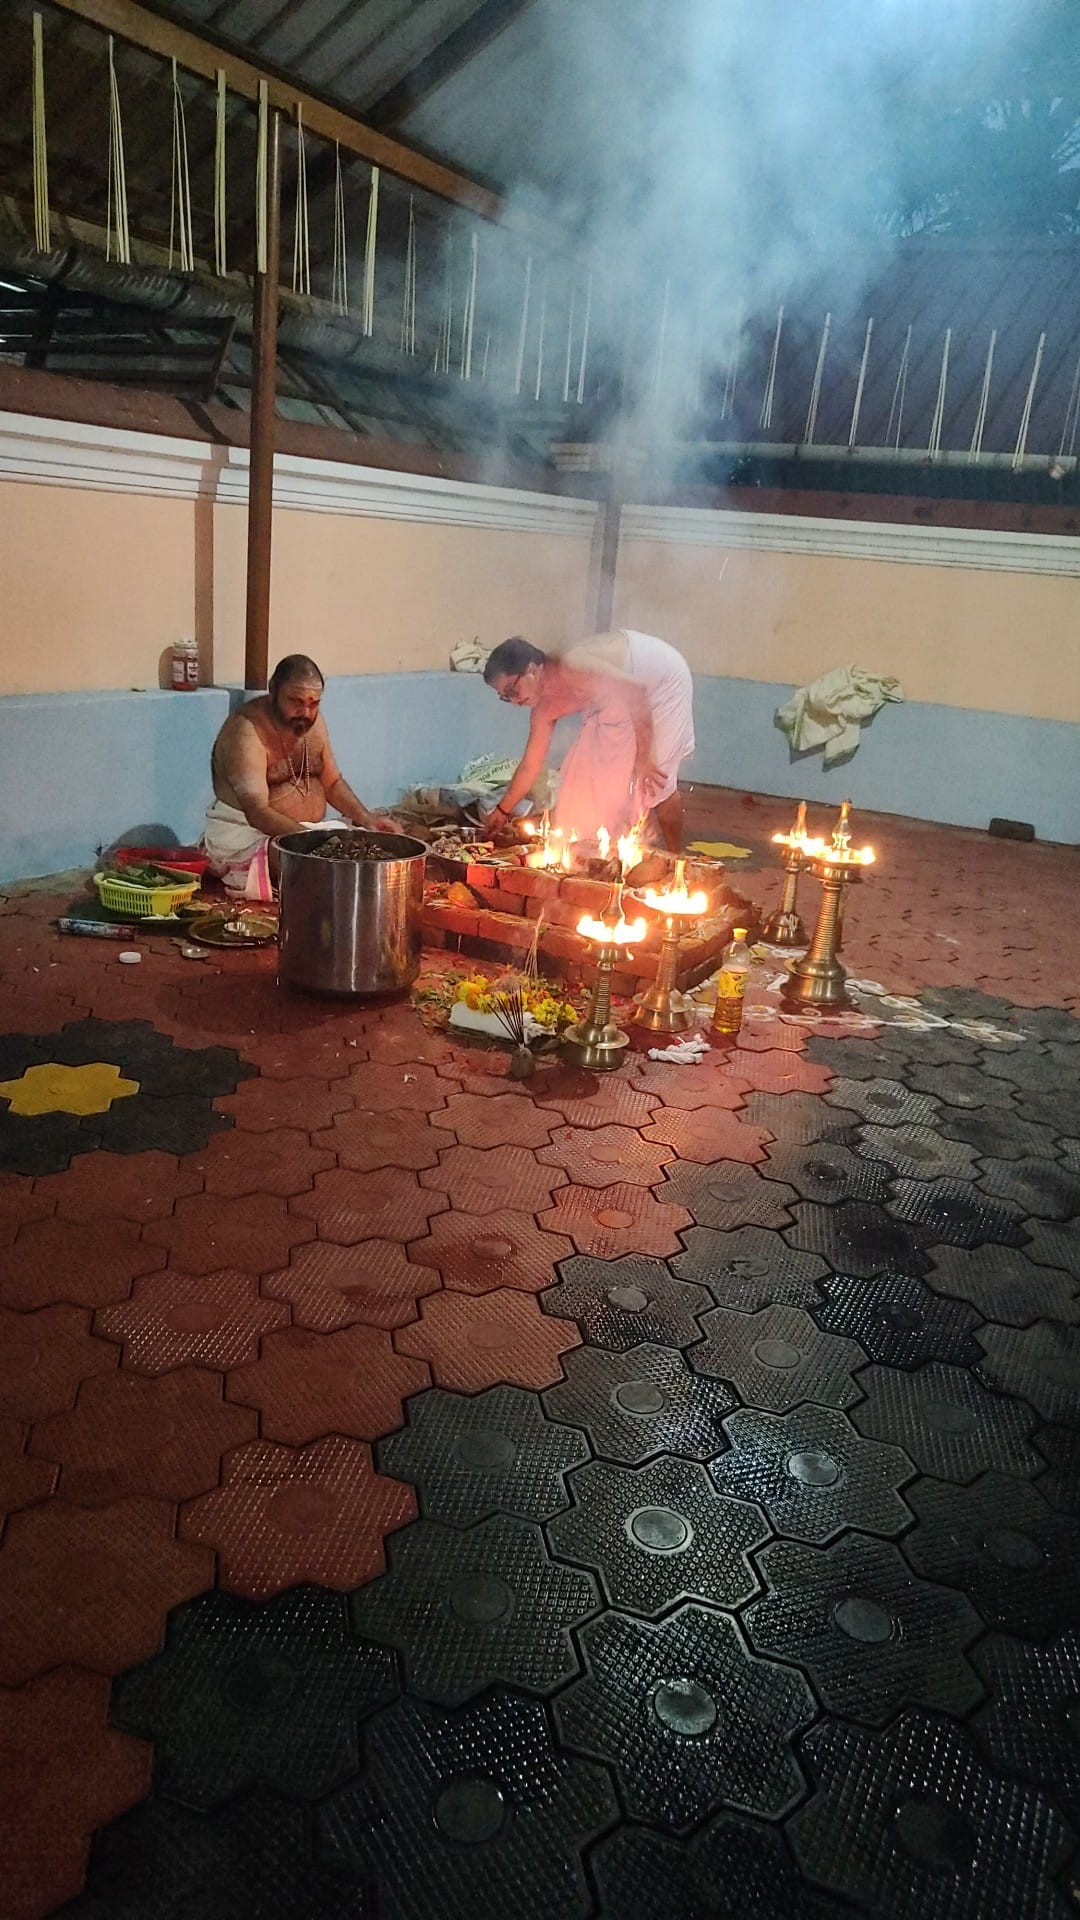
pixel 623 933
pixel 603 843
pixel 630 850
pixel 676 900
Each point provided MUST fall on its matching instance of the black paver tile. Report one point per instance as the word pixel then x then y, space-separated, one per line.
pixel 472 1455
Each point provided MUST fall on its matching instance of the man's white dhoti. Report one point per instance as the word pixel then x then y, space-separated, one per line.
pixel 237 852
pixel 597 787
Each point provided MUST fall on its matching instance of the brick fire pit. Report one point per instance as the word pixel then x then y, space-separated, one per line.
pixel 510 900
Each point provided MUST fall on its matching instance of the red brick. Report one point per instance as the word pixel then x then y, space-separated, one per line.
pixel 563 945
pixel 505 930
pixel 442 916
pixel 536 883
pixel 554 912
pixel 478 874
pixel 589 896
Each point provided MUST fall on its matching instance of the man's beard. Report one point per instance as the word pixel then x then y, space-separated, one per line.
pixel 297 726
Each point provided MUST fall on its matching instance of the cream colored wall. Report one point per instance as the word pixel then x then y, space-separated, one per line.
pixel 97 584
pixel 391 596
pixel 955 636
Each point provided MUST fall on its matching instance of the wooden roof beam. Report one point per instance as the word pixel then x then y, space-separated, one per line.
pixel 154 33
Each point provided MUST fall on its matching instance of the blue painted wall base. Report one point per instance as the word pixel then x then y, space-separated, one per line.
pixel 80 770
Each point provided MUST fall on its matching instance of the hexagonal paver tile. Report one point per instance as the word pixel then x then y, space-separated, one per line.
pixel 871 1639
pixel 917 1153
pixel 466 1609
pixel 964 1085
pixel 898 1320
pixel 387 1204
pixel 476 1121
pixel 328 1287
pixel 949 1424
pixel 707 1135
pixel 658 1534
pixel 285 1515
pixel 480 1179
pixel 22 1201
pixel 1027 1723
pixel 122 1186
pixel 190 1319
pixel 207 1231
pixel 473 1455
pixel 749 1268
pixel 800 1119
pixel 74 1263
pixel 265 1106
pixel 395 1037
pixel 244 1693
pixel 1002 1543
pixel 717 1082
pixel 328 1055
pixel 614 1220
pixel 1053 1243
pixel 487 1340
pixel 23 1480
pixel 687 1716
pixel 620 1303
pixel 503 1249
pixel 129 1435
pixel 1060 1447
pixel 602 1156
pixel 812 1473
pixel 1044 1068
pixel 1043 1188
pixel 644 1877
pixel 1003 1284
pixel 1061 1111
pixel 251 1855
pixel 857 1238
pixel 457 1813
pixel 591 1100
pixel 777 1357
pixel 885 1103
pixel 999 1132
pixel 1040 1364
pixel 727 1196
pixel 827 1171
pixel 363 1141
pixel 306 1385
pixel 636 1404
pixel 956 1212
pixel 929 1830
pixel 43 1357
pixel 784 1072
pixel 863 1057
pixel 379 1086
pixel 282 1162
pixel 63 1772
pixel 91 1586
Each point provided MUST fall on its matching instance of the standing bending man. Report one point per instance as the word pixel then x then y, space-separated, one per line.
pixel 635 695
pixel 274 770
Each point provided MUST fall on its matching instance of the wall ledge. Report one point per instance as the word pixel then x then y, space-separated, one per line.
pixel 981 549
pixel 66 453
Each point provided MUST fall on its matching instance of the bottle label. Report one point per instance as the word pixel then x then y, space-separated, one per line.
pixel 730 986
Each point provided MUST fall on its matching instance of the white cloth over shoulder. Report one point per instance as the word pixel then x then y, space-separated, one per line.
pixel 830 711
pixel 596 788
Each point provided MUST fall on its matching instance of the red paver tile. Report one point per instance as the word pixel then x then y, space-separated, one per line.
pixel 378 1087
pixel 307 1385
pixel 236 1163
pixel 91 1585
pixel 178 1319
pixel 234 1004
pixel 120 1186
pixel 476 1120
pixel 613 1220
pixel 364 1140
pixel 405 1042
pixel 718 1082
pixel 488 1340
pixel 783 1072
pixel 22 1478
pixel 594 1100
pixel 328 1286
pixel 265 1106
pixel 284 1515
pixel 503 1249
pixel 387 1204
pixel 36 1010
pixel 208 1232
pixel 20 1202
pixel 478 1179
pixel 602 1156
pixel 708 1134
pixel 129 1435
pixel 63 1772
pixel 43 1357
pixel 299 1056
pixel 81 1263
pixel 483 1072
pixel 763 1036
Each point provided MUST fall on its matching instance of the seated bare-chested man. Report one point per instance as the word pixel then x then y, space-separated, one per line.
pixel 273 771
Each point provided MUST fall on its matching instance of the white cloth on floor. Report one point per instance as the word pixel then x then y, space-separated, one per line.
pixel 596 787
pixel 830 711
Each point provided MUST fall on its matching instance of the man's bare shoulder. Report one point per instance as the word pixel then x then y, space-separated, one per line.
pixel 243 730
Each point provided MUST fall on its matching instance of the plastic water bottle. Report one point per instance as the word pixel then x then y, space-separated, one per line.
pixel 731 985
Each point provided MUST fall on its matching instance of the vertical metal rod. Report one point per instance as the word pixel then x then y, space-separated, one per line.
pixel 611 510
pixel 263 409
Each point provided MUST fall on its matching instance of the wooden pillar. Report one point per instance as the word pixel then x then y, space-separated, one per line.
pixel 263 420
pixel 611 512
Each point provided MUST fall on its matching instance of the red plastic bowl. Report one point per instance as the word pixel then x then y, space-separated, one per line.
pixel 178 859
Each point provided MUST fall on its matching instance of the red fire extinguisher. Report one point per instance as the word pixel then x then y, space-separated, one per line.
pixel 185 665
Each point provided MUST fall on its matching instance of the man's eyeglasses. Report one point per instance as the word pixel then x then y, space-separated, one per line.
pixel 509 692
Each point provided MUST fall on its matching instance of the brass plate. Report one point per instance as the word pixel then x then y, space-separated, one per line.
pixel 222 930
